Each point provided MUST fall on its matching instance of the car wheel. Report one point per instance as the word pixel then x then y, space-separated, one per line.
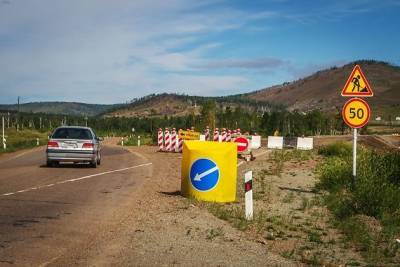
pixel 93 164
pixel 98 159
pixel 49 163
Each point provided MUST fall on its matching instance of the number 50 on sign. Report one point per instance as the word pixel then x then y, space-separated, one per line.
pixel 356 113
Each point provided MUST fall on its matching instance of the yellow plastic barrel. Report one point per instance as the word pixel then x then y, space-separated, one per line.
pixel 209 171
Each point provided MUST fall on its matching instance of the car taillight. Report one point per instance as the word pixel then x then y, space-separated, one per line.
pixel 52 144
pixel 87 145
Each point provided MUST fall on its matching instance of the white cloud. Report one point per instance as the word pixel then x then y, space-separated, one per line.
pixel 84 50
pixel 111 51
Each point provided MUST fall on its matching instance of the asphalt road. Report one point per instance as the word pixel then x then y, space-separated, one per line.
pixel 47 213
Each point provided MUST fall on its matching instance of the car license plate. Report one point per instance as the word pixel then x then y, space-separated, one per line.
pixel 69 145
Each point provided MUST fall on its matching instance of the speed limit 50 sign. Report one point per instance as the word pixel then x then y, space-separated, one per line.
pixel 356 113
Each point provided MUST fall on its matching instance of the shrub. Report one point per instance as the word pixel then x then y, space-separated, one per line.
pixel 335 173
pixel 339 149
pixel 376 193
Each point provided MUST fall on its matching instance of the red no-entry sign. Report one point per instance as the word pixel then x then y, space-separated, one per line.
pixel 242 143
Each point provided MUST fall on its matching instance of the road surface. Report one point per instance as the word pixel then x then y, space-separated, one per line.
pixel 48 213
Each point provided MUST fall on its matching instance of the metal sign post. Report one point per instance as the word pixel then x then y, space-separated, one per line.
pixel 354 155
pixel 356 112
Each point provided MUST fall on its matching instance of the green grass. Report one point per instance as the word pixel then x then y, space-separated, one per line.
pixel 375 194
pixel 133 140
pixel 17 140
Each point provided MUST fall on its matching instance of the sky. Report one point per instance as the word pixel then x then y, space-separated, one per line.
pixel 114 51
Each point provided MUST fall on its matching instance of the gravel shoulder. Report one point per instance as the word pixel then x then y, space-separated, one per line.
pixel 161 228
pixel 165 229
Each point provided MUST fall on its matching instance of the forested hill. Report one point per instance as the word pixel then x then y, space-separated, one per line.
pixel 159 105
pixel 322 89
pixel 64 108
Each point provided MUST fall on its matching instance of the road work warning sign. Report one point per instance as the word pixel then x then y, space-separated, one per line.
pixel 187 135
pixel 209 171
pixel 357 84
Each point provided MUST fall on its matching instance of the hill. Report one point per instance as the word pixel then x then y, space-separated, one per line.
pixel 318 91
pixel 64 108
pixel 158 105
pixel 322 89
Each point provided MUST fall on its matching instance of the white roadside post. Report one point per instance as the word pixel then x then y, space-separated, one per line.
pixel 4 138
pixel 122 141
pixel 37 141
pixel 248 194
pixel 138 140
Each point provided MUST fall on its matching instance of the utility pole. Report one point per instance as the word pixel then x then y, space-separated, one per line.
pixel 40 123
pixel 18 114
pixel 86 119
pixel 8 120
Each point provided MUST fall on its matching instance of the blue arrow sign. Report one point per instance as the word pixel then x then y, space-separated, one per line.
pixel 204 174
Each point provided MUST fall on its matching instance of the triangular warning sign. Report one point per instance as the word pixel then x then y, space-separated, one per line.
pixel 357 84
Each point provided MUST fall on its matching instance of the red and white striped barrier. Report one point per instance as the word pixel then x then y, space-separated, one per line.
pixel 179 147
pixel 223 135
pixel 216 135
pixel 167 140
pixel 173 140
pixel 207 134
pixel 229 136
pixel 160 140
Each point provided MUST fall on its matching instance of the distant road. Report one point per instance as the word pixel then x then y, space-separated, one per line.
pixel 47 212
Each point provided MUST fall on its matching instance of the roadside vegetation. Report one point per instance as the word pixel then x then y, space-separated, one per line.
pixel 22 139
pixel 308 208
pixel 132 140
pixel 290 217
pixel 366 209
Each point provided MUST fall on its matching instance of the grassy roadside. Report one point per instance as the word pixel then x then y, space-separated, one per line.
pixel 338 222
pixel 133 140
pixel 17 140
pixel 290 217
pixel 367 211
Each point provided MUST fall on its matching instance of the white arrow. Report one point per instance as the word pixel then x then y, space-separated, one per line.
pixel 201 175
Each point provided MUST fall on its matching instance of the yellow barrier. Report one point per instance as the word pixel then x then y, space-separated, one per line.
pixel 209 171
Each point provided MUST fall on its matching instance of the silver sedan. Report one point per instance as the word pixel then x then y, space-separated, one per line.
pixel 73 144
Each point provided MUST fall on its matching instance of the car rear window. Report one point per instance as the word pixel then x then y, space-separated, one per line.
pixel 72 133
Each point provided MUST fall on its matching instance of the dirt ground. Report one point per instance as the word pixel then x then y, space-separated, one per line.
pixel 167 229
pixel 291 225
pixel 290 228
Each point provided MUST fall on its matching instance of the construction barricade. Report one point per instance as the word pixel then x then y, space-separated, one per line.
pixel 209 171
pixel 255 141
pixel 275 142
pixel 305 143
